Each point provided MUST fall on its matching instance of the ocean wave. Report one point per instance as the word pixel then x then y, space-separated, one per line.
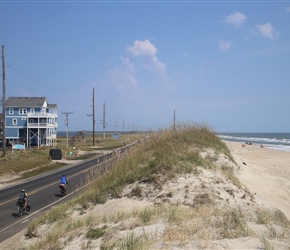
pixel 279 147
pixel 258 140
pixel 277 141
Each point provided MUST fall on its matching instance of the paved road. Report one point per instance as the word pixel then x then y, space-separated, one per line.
pixel 43 193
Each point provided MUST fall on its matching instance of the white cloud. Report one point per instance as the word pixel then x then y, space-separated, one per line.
pixel 142 48
pixel 122 75
pixel 237 19
pixel 129 72
pixel 225 45
pixel 148 50
pixel 126 62
pixel 266 30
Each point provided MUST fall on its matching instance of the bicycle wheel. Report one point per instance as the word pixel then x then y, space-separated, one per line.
pixel 20 211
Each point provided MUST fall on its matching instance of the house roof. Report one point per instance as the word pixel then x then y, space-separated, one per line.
pixel 27 102
pixel 52 106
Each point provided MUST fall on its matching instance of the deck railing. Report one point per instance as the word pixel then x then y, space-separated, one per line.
pixel 42 114
pixel 42 125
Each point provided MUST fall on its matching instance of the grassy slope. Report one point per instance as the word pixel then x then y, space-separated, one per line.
pixel 162 156
pixel 166 153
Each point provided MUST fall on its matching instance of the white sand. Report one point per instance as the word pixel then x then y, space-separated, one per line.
pixel 265 173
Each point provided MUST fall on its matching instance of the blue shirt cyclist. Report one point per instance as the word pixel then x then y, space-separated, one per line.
pixel 63 180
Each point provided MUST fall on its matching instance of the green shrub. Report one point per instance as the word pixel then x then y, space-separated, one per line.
pixel 96 233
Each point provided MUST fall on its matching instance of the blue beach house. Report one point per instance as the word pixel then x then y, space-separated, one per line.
pixel 31 120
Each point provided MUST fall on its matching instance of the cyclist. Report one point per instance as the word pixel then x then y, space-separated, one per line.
pixel 63 182
pixel 23 197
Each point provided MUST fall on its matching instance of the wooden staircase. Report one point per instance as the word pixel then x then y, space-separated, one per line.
pixel 79 137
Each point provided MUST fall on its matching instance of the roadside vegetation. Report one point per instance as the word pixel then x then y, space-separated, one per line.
pixel 160 157
pixel 34 161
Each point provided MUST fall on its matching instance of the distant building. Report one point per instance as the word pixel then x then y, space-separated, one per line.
pixel 31 120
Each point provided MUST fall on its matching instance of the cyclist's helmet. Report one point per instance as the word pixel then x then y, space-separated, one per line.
pixel 23 190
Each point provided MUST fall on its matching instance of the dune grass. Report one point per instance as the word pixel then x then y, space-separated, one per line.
pixel 163 154
pixel 160 157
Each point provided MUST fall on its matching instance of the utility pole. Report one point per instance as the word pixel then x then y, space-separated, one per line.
pixel 104 122
pixel 66 123
pixel 93 115
pixel 174 119
pixel 4 103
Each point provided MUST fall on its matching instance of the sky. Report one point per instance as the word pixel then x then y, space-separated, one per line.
pixel 223 64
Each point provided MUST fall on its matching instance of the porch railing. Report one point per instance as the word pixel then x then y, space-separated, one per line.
pixel 42 125
pixel 42 114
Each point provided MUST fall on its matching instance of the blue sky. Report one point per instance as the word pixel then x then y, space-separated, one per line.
pixel 220 63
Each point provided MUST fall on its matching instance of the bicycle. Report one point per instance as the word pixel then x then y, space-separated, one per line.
pixel 20 208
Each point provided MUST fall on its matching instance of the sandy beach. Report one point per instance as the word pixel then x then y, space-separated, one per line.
pixel 264 172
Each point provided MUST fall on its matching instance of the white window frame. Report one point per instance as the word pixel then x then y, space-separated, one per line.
pixel 14 121
pixel 32 111
pixel 11 111
pixel 22 111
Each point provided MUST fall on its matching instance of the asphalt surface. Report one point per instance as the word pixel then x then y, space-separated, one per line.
pixel 43 193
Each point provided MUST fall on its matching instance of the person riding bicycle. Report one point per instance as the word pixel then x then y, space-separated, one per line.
pixel 23 198
pixel 63 181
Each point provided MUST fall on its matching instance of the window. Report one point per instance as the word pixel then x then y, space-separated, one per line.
pixel 11 111
pixel 32 111
pixel 14 121
pixel 22 111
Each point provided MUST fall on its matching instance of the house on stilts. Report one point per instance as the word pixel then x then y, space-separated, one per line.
pixel 31 121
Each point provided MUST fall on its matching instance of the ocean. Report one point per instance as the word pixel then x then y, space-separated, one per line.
pixel 278 141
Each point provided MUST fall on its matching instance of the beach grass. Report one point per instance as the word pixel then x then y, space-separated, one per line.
pixel 167 153
pixel 160 157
